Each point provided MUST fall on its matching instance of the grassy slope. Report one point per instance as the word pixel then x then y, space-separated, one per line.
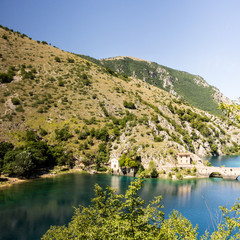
pixel 50 106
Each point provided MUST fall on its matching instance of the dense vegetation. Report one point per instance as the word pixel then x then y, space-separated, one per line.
pixel 33 158
pixel 117 216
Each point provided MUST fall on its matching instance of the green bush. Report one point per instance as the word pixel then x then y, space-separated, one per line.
pixel 4 36
pixel 152 170
pixel 158 138
pixel 61 83
pixel 63 134
pixel 175 169
pixel 28 74
pixel 15 101
pixel 31 136
pixel 102 169
pixel 129 160
pixel 43 132
pixel 129 105
pixel 19 109
pixel 179 176
pixel 101 104
pixel 5 78
pixel 126 216
pixel 57 59
pixel 70 60
pixel 4 148
pixel 102 134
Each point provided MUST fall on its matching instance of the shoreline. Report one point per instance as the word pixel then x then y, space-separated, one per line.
pixel 13 181
pixel 10 181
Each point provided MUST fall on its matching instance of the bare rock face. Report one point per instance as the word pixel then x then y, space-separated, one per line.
pixel 201 151
pixel 200 81
pixel 167 81
pixel 219 97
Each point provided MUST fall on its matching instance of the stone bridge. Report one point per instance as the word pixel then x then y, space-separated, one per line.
pixel 225 172
pixel 204 171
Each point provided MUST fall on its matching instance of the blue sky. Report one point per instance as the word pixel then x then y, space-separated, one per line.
pixel 201 37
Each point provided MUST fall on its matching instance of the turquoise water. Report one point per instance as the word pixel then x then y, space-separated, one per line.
pixel 227 161
pixel 27 210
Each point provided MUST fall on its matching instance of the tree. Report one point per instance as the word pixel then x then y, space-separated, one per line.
pixel 152 170
pixel 4 148
pixel 229 227
pixel 231 110
pixel 177 227
pixel 128 160
pixel 117 216
pixel 63 134
pixel 113 216
pixel 18 163
pixel 23 164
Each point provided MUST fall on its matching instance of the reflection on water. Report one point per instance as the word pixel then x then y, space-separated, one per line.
pixel 27 210
pixel 184 193
pixel 115 182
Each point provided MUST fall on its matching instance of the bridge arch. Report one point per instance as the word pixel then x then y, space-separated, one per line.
pixel 215 175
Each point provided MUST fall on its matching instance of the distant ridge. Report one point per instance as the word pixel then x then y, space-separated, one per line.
pixel 191 88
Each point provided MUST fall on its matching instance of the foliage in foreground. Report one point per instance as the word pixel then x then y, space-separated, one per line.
pixel 117 216
pixel 232 111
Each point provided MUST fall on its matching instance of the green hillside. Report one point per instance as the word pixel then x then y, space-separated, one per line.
pixel 197 95
pixel 182 83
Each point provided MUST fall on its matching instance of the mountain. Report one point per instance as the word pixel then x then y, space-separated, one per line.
pixel 191 88
pixel 97 113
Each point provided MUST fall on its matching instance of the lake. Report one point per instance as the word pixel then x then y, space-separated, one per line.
pixel 227 161
pixel 28 209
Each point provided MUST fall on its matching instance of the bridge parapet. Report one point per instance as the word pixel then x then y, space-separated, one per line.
pixel 225 172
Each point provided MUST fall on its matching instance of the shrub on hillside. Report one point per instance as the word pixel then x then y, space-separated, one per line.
pixel 129 105
pixel 57 59
pixel 63 134
pixel 70 60
pixel 15 101
pixel 7 77
pixel 4 36
pixel 19 109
